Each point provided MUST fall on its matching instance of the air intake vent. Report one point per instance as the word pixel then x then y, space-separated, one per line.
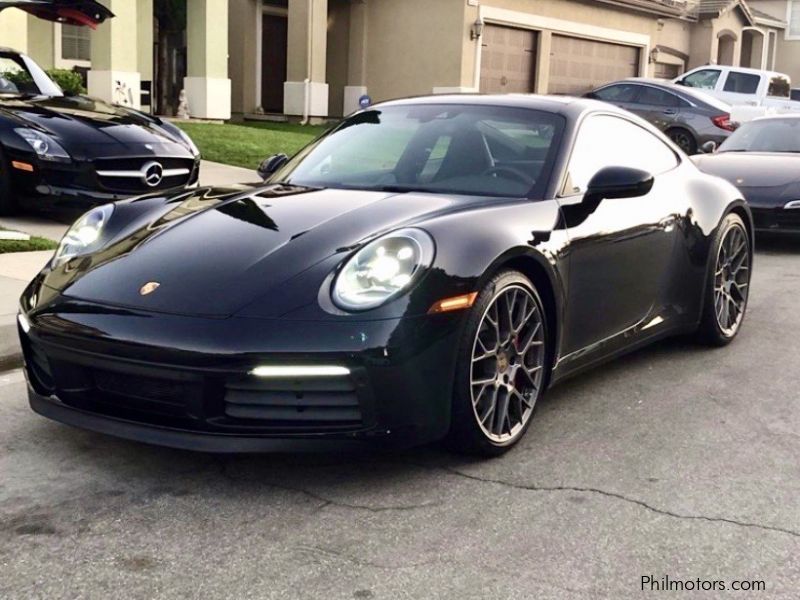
pixel 312 402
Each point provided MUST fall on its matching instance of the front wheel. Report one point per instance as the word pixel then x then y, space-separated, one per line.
pixel 728 283
pixel 501 367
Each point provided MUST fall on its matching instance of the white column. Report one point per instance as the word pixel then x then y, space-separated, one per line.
pixel 306 91
pixel 115 74
pixel 208 88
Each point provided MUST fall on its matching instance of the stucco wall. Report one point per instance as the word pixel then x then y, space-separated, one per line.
pixel 413 46
pixel 41 42
pixel 787 58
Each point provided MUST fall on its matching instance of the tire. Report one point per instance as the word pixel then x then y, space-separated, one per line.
pixel 683 139
pixel 8 205
pixel 501 369
pixel 727 283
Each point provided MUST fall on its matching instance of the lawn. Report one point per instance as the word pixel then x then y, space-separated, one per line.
pixel 35 243
pixel 247 144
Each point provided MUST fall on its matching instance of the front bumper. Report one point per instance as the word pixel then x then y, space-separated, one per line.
pixel 777 219
pixel 185 382
pixel 77 185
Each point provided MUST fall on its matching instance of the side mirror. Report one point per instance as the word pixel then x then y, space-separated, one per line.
pixel 709 147
pixel 619 182
pixel 271 164
pixel 680 82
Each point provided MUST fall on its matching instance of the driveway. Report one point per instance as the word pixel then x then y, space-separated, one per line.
pixel 677 461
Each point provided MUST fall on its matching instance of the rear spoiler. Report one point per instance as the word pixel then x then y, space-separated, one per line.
pixel 89 13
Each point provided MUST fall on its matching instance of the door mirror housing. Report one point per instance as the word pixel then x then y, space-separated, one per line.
pixel 709 147
pixel 271 164
pixel 619 182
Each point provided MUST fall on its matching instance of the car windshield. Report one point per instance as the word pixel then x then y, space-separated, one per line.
pixel 21 76
pixel 769 135
pixel 435 148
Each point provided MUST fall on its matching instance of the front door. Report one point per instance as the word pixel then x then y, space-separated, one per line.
pixel 273 62
pixel 621 250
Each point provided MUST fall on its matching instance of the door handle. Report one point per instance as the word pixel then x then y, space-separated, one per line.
pixel 670 111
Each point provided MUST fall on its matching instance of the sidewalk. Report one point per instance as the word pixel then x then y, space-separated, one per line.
pixel 18 268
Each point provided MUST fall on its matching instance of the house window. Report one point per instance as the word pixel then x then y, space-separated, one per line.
pixel 793 30
pixel 75 43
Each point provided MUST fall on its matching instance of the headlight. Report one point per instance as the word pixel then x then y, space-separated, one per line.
pixel 45 146
pixel 188 141
pixel 85 234
pixel 382 269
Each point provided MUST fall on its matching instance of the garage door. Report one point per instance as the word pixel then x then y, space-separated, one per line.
pixel 508 60
pixel 578 65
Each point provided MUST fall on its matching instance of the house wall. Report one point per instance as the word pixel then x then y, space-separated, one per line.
pixel 787 58
pixel 413 46
pixel 41 42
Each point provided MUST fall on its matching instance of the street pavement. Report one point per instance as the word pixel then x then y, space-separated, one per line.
pixel 677 461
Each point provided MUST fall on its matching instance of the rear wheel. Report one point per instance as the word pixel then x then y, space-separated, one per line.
pixel 501 367
pixel 728 283
pixel 683 139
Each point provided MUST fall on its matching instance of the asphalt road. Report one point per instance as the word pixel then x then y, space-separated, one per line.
pixel 677 461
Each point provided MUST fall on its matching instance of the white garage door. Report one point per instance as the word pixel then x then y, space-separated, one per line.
pixel 578 65
pixel 508 60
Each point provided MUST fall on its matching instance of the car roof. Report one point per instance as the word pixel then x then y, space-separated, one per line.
pixel 740 69
pixel 569 106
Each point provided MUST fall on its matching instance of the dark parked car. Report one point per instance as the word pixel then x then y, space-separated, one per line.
pixel 58 150
pixel 425 269
pixel 689 118
pixel 762 159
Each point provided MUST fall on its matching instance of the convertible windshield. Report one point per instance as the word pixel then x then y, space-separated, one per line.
pixel 768 135
pixel 21 76
pixel 443 149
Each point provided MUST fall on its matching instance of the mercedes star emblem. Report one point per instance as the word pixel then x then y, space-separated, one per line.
pixel 152 173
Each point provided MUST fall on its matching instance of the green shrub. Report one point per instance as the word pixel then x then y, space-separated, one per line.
pixel 69 81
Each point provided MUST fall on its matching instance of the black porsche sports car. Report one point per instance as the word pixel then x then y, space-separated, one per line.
pixel 762 159
pixel 425 269
pixel 58 150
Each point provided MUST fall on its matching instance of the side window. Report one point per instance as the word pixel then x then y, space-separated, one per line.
pixel 632 146
pixel 617 93
pixel 780 87
pixel 705 79
pixel 656 97
pixel 796 95
pixel 742 83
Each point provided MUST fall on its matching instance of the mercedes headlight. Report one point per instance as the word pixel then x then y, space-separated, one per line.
pixel 383 269
pixel 188 141
pixel 85 234
pixel 45 146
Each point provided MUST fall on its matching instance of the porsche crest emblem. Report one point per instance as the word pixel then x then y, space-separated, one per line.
pixel 148 288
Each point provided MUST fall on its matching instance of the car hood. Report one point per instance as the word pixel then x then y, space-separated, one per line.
pixel 214 252
pixel 765 179
pixel 90 127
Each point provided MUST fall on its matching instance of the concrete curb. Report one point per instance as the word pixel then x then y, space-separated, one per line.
pixel 10 352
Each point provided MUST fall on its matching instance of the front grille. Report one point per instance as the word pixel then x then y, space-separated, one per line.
pixel 202 400
pixel 329 402
pixel 125 184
